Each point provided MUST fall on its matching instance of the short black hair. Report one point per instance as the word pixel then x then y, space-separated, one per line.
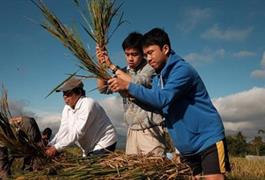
pixel 133 40
pixel 156 36
pixel 48 132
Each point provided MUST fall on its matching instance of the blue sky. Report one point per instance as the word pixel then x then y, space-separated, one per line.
pixel 223 40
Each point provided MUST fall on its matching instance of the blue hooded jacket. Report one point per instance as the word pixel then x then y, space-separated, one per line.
pixel 178 91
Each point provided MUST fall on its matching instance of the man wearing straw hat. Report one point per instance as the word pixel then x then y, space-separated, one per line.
pixel 84 123
pixel 145 128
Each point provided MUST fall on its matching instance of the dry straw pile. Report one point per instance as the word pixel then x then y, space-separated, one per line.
pixel 113 166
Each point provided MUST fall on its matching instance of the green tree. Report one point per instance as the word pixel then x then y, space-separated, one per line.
pixel 257 144
pixel 237 145
pixel 261 131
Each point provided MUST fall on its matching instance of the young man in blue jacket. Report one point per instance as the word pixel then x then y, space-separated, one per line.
pixel 178 91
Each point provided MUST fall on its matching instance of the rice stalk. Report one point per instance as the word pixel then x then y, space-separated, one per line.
pixel 115 165
pixel 4 108
pixel 12 137
pixel 101 14
pixel 120 165
pixel 70 40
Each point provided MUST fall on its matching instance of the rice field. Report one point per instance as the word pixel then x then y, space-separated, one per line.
pixel 247 169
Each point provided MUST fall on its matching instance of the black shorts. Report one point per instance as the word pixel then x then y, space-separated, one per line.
pixel 212 160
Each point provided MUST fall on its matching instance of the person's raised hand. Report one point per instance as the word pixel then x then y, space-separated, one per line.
pixel 117 84
pixel 102 56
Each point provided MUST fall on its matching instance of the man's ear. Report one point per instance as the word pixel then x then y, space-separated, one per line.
pixel 165 49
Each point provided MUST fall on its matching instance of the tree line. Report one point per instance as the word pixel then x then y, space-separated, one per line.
pixel 238 145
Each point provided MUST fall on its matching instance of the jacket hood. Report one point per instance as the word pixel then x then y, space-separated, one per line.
pixel 171 61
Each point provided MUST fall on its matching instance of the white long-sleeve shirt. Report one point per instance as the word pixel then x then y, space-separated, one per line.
pixel 87 126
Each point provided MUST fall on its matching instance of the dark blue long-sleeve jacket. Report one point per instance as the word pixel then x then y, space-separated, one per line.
pixel 178 91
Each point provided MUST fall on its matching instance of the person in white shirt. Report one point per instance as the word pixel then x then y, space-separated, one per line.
pixel 84 123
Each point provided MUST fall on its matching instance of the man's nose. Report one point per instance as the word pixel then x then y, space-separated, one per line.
pixel 130 57
pixel 148 58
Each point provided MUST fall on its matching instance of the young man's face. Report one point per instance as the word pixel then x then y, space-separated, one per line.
pixel 70 98
pixel 156 56
pixel 133 57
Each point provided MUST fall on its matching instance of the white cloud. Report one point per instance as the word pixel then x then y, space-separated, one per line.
pixel 260 73
pixel 18 108
pixel 207 55
pixel 49 119
pixel 114 109
pixel 244 54
pixel 237 126
pixel 193 17
pixel 229 34
pixel 243 111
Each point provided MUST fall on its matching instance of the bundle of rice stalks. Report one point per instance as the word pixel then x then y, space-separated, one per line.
pixel 12 137
pixel 70 40
pixel 114 166
pixel 101 14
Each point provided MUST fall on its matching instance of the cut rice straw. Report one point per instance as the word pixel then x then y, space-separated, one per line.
pixel 70 40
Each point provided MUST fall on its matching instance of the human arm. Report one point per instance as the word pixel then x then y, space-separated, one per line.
pixel 143 75
pixel 103 58
pixel 163 94
pixel 63 129
pixel 51 150
pixel 177 83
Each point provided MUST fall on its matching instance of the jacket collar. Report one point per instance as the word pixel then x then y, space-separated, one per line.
pixel 140 66
pixel 172 59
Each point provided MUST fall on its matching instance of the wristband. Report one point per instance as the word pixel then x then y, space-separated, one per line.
pixel 114 69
